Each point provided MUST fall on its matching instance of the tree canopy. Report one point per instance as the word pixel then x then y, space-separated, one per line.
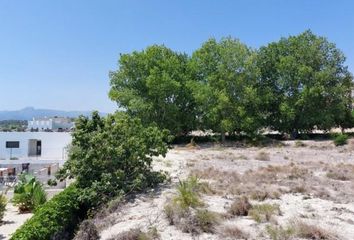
pixel 224 86
pixel 306 82
pixel 296 84
pixel 151 85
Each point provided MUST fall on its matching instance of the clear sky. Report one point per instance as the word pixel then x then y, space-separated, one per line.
pixel 58 53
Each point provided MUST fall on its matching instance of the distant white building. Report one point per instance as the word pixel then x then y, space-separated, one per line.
pixel 55 124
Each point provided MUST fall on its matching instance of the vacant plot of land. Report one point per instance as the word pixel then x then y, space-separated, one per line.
pixel 289 190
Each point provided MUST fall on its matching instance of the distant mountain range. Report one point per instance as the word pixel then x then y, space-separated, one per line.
pixel 29 112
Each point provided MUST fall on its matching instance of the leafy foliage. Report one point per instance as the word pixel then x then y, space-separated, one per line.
pixel 304 84
pixel 294 85
pixel 29 194
pixel 3 202
pixel 224 86
pixel 151 85
pixel 340 139
pixel 13 125
pixel 112 155
pixel 57 216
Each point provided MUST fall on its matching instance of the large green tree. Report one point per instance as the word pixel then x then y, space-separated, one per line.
pixel 151 85
pixel 224 87
pixel 112 155
pixel 304 84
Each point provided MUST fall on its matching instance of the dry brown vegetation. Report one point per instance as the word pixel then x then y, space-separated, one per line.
pixel 136 234
pixel 240 207
pixel 272 181
pixel 233 232
pixel 309 231
pixel 263 156
pixel 240 192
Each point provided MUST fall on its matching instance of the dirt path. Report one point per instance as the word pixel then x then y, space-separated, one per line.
pixel 12 220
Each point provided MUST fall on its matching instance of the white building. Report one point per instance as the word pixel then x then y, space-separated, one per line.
pixel 34 146
pixel 55 124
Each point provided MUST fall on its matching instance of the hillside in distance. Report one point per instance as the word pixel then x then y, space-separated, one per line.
pixel 30 112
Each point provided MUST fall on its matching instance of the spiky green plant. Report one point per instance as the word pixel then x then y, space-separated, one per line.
pixel 29 194
pixel 188 193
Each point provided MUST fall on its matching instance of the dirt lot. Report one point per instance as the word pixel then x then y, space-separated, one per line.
pixel 287 190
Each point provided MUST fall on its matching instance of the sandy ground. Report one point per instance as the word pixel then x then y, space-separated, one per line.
pixel 314 181
pixel 12 220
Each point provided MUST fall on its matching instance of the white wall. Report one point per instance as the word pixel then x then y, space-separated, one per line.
pixel 53 144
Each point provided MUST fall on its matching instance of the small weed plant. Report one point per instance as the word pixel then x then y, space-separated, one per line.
pixel 340 139
pixel 263 212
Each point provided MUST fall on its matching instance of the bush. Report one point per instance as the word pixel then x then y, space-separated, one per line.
pixel 59 215
pixel 340 139
pixel 206 220
pixel 29 194
pixel 137 234
pixel 233 232
pixel 263 212
pixel 3 203
pixel 240 207
pixel 111 156
pixel 188 193
pixel 280 233
pixel 308 231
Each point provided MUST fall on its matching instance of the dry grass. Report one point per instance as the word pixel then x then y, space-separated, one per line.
pixel 263 212
pixel 341 172
pixel 308 231
pixel 272 181
pixel 280 233
pixel 137 234
pixel 299 143
pixel 185 212
pixel 206 220
pixel 87 231
pixel 194 221
pixel 263 194
pixel 263 156
pixel 240 207
pixel 233 232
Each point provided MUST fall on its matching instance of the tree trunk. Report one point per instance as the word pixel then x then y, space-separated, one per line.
pixel 222 136
pixel 294 134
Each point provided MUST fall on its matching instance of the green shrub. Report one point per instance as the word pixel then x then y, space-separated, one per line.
pixel 206 220
pixel 3 203
pixel 280 233
pixel 29 194
pixel 188 193
pixel 340 139
pixel 263 212
pixel 58 216
pixel 112 155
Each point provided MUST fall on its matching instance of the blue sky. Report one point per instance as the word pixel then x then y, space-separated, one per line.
pixel 57 54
